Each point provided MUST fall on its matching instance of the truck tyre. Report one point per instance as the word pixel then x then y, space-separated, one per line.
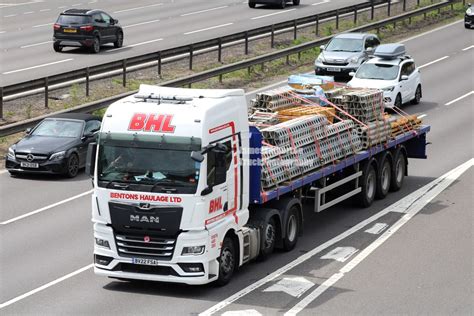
pixel 383 178
pixel 368 185
pixel 292 229
pixel 398 171
pixel 227 262
pixel 72 166
pixel 269 235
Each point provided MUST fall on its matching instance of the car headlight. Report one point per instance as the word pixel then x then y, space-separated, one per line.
pixel 58 156
pixel 193 250
pixel 11 153
pixel 469 11
pixel 354 60
pixel 389 89
pixel 102 243
pixel 320 58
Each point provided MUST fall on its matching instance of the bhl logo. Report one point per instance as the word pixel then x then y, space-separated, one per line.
pixel 160 123
pixel 215 205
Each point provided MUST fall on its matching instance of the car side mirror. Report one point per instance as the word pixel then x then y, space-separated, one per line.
pixel 369 50
pixel 206 191
pixel 404 77
pixel 352 74
pixel 90 159
pixel 115 21
pixel 322 47
pixel 28 130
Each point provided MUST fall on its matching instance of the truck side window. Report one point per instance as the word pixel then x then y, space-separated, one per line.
pixel 217 165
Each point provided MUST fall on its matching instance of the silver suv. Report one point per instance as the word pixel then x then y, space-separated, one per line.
pixel 345 53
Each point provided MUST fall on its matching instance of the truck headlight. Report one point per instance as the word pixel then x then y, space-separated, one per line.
pixel 389 89
pixel 58 156
pixel 11 153
pixel 193 250
pixel 102 243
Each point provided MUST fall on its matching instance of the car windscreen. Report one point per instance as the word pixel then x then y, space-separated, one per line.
pixel 59 128
pixel 377 71
pixel 345 45
pixel 73 19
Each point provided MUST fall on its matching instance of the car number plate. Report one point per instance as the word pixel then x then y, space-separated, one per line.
pixel 70 31
pixel 334 69
pixel 24 164
pixel 148 262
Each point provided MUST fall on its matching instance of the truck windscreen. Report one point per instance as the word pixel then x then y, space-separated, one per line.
pixel 144 166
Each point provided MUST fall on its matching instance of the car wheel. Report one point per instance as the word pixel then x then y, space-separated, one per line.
pixel 57 48
pixel 252 4
pixel 96 45
pixel 227 261
pixel 398 101
pixel 72 166
pixel 417 98
pixel 296 2
pixel 119 42
pixel 283 4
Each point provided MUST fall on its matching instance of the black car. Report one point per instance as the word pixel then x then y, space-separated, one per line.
pixel 86 28
pixel 280 3
pixel 58 144
pixel 469 16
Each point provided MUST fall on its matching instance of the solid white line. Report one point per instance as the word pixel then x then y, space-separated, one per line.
pixel 138 8
pixel 460 98
pixel 433 62
pixel 431 31
pixel 208 28
pixel 45 208
pixel 134 45
pixel 37 44
pixel 425 195
pixel 202 11
pixel 37 66
pixel 408 200
pixel 322 2
pixel 47 285
pixel 142 23
pixel 40 25
pixel 467 48
pixel 266 15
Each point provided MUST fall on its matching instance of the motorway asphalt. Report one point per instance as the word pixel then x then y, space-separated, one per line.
pixel 424 268
pixel 26 29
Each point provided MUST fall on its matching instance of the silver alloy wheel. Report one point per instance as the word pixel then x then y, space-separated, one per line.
pixel 370 185
pixel 292 227
pixel 386 177
pixel 227 260
pixel 73 165
pixel 269 235
pixel 399 170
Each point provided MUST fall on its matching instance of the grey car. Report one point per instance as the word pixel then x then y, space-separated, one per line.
pixel 345 53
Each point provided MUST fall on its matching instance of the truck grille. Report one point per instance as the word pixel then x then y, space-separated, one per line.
pixel 145 246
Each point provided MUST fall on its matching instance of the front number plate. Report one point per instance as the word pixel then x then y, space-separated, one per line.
pixel 24 164
pixel 334 69
pixel 148 262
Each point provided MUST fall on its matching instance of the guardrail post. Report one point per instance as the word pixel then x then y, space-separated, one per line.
pixel 219 51
pixel 418 2
pixel 337 19
pixel 246 42
pixel 389 7
pixel 1 103
pixel 159 65
pixel 46 93
pixel 262 67
pixel 87 81
pixel 299 55
pixel 355 15
pixel 317 25
pixel 372 9
pixel 404 5
pixel 272 38
pixel 124 72
pixel 190 57
pixel 287 59
pixel 295 30
pixel 220 78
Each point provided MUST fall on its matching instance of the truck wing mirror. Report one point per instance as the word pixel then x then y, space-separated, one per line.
pixel 206 191
pixel 197 156
pixel 90 160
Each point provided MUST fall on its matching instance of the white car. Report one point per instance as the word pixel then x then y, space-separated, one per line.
pixel 393 72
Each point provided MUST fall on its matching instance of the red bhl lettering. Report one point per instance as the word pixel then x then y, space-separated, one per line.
pixel 160 123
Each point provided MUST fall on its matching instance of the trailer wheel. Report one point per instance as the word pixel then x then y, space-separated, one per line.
pixel 368 185
pixel 398 171
pixel 292 229
pixel 383 178
pixel 227 261
pixel 269 234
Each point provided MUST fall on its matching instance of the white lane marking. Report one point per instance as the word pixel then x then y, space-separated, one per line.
pixel 425 195
pixel 29 12
pixel 7 5
pixel 45 286
pixel 37 66
pixel 37 44
pixel 246 312
pixel 433 62
pixel 46 208
pixel 202 11
pixel 292 286
pixel 44 10
pixel 467 48
pixel 41 25
pixel 208 28
pixel 92 1
pixel 134 45
pixel 340 254
pixel 142 23
pixel 431 31
pixel 322 2
pixel 396 207
pixel 1 32
pixel 138 8
pixel 62 7
pixel 271 14
pixel 377 228
pixel 76 4
pixel 460 98
pixel 9 16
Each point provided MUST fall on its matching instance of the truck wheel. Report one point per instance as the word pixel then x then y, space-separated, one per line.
pixel 383 179
pixel 369 181
pixel 269 234
pixel 227 261
pixel 292 227
pixel 398 171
